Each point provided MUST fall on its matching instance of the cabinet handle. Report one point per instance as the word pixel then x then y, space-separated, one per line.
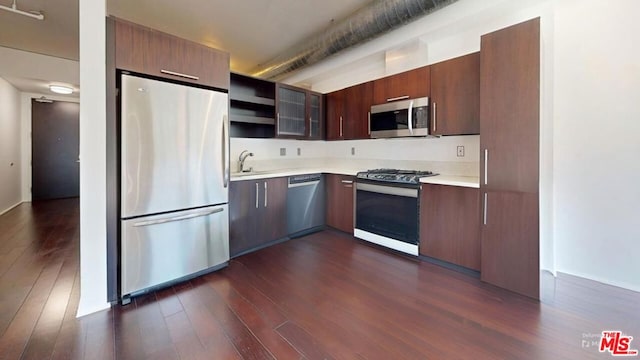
pixel 168 72
pixel 484 211
pixel 398 98
pixel 486 165
pixel 410 120
pixel 369 120
pixel 435 119
pixel 225 149
pixel 177 218
pixel 347 181
pixel 340 126
pixel 257 194
pixel 265 194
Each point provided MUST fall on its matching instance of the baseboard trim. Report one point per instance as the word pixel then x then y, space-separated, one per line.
pixel 11 208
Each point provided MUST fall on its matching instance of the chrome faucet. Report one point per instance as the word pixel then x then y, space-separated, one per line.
pixel 243 156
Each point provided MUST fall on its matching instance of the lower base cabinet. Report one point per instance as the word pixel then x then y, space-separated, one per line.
pixel 257 213
pixel 450 224
pixel 340 193
pixel 510 245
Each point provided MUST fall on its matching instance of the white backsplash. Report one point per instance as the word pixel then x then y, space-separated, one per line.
pixel 435 154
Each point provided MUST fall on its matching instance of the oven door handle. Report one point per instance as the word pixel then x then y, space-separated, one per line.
pixel 387 189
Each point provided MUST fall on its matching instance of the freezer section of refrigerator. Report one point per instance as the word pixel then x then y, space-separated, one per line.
pixel 160 249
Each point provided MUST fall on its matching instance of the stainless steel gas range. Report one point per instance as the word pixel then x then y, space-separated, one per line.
pixel 388 208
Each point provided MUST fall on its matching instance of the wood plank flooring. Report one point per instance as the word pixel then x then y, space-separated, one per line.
pixel 324 296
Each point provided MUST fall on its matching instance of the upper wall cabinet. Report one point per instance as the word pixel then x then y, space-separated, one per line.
pixel 144 50
pixel 455 96
pixel 299 114
pixel 252 107
pixel 348 112
pixel 407 85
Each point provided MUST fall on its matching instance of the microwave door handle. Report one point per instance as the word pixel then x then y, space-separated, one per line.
pixel 409 120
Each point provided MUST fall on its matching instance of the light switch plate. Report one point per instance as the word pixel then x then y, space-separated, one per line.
pixel 283 151
pixel 461 151
pixel 353 151
pixel 299 152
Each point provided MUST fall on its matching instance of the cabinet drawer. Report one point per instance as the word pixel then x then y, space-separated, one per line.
pixel 162 248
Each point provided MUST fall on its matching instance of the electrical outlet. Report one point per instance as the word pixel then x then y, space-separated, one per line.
pixel 353 151
pixel 299 152
pixel 283 151
pixel 461 151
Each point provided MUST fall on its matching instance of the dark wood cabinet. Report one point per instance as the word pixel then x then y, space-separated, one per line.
pixel 257 213
pixel 300 113
pixel 509 144
pixel 348 112
pixel 357 106
pixel 510 238
pixel 450 224
pixel 335 111
pixel 455 96
pixel 144 50
pixel 406 85
pixel 252 107
pixel 340 199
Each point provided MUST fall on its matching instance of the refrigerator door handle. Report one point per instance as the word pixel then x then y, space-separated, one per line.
pixel 178 218
pixel 225 150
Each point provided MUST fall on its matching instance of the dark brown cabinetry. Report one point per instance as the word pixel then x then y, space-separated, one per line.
pixel 252 107
pixel 509 144
pixel 144 50
pixel 348 112
pixel 450 224
pixel 300 113
pixel 406 85
pixel 455 96
pixel 257 213
pixel 340 193
pixel 335 115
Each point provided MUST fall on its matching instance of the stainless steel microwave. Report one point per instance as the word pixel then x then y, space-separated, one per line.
pixel 400 118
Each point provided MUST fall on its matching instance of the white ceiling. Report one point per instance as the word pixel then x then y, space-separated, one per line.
pixel 252 31
pixel 56 35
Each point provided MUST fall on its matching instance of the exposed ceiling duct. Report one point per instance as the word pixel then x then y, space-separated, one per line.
pixel 363 25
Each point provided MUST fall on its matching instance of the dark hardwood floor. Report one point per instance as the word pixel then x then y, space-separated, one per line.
pixel 324 296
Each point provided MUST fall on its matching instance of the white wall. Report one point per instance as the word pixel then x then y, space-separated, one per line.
pixel 9 146
pixel 28 65
pixel 436 154
pixel 596 118
pixel 25 137
pixel 93 203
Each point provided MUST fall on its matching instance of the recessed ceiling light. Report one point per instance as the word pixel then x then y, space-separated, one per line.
pixel 59 89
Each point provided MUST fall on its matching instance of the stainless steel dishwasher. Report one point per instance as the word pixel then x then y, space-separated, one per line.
pixel 305 204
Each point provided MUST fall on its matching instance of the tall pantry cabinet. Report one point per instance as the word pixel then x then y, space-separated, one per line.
pixel 509 145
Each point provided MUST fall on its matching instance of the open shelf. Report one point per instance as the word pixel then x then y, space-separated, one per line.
pixel 252 119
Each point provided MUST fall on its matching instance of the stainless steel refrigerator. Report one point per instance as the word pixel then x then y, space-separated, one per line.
pixel 174 183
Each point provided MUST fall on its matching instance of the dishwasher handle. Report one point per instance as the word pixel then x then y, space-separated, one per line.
pixel 304 180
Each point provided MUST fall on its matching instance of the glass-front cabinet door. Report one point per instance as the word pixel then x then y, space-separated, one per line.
pixel 291 116
pixel 315 116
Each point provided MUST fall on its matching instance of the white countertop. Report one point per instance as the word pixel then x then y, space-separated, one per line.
pixel 464 181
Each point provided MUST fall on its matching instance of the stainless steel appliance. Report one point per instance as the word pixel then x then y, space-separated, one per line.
pixel 400 118
pixel 174 183
pixel 388 208
pixel 305 204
